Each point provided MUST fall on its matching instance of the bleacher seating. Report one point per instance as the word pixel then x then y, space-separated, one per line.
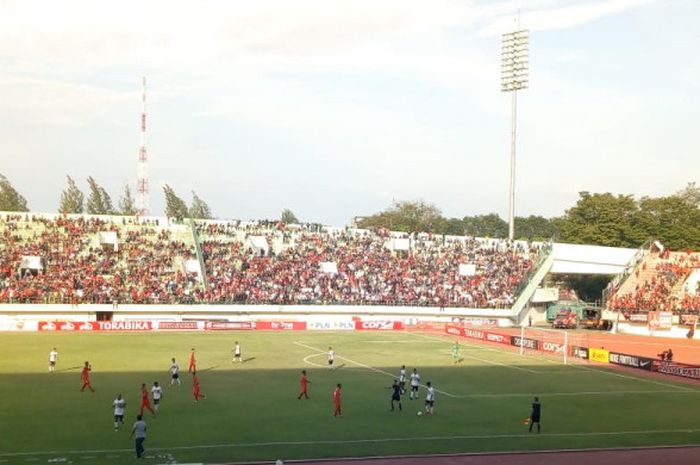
pixel 657 284
pixel 252 262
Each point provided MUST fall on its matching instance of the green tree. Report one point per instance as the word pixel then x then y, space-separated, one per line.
pixel 672 220
pixel 199 208
pixel 127 206
pixel 534 228
pixel 490 225
pixel 603 219
pixel 452 227
pixel 406 216
pixel 71 199
pixel 289 217
pixel 690 194
pixel 99 202
pixel 175 207
pixel 10 199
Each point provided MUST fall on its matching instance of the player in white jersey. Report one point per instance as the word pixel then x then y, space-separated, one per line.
pixel 156 393
pixel 174 373
pixel 53 355
pixel 402 379
pixel 415 382
pixel 119 405
pixel 331 357
pixel 237 352
pixel 429 398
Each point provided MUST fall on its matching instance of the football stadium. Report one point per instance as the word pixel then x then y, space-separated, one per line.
pixel 558 329
pixel 132 296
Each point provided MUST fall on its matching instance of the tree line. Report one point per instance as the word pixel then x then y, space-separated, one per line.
pixel 99 202
pixel 597 218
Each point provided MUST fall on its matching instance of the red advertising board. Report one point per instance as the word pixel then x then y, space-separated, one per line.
pixel 178 325
pixel 378 325
pixel 280 325
pixel 474 333
pixel 87 326
pixel 454 330
pixel 499 338
pixel 229 325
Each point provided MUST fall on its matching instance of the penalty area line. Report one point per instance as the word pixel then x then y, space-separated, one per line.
pixel 360 364
pixel 368 441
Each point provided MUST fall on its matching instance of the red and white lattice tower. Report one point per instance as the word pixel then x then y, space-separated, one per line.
pixel 142 179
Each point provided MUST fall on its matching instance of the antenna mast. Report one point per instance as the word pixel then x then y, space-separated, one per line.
pixel 142 165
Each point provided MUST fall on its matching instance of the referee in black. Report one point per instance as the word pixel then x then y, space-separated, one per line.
pixel 535 415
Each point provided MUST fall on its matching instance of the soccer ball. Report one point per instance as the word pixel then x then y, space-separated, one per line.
pixel 419 413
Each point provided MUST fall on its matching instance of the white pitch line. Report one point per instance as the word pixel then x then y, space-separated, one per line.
pixel 366 366
pixel 492 362
pixel 306 360
pixel 369 441
pixel 578 393
pixel 634 378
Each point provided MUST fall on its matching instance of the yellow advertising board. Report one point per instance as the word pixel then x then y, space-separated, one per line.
pixel 598 355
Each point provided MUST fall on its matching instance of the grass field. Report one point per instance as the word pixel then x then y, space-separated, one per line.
pixel 252 412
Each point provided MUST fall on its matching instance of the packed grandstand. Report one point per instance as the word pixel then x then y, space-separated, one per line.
pixel 112 260
pixel 91 259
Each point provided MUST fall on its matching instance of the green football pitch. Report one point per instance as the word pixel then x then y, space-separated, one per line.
pixel 252 413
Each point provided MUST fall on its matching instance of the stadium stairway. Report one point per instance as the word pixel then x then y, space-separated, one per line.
pixel 520 308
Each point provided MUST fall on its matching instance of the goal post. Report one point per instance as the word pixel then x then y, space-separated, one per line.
pixel 544 341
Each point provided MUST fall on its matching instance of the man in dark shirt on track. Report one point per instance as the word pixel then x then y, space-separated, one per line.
pixel 535 415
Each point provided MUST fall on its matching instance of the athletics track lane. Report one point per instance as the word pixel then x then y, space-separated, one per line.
pixel 635 456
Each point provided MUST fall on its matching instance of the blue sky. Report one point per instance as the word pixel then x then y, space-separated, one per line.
pixel 334 109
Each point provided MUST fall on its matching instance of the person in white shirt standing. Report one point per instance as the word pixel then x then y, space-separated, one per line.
pixel 429 399
pixel 119 405
pixel 402 379
pixel 53 355
pixel 156 393
pixel 237 352
pixel 174 373
pixel 331 357
pixel 415 382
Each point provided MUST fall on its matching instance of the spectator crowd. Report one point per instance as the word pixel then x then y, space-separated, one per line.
pixel 252 262
pixel 661 291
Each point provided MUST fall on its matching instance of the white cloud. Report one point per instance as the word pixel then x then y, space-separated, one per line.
pixel 559 17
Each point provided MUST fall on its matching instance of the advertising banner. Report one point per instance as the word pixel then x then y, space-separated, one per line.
pixel 638 317
pixel 480 322
pixel 499 338
pixel 378 325
pixel 688 319
pixel 88 326
pixel 552 347
pixel 633 361
pixel 280 325
pixel 474 333
pixel 180 325
pixel 525 342
pixel 229 325
pixel 454 330
pixel 580 352
pixel 330 325
pixel 598 355
pixel 677 369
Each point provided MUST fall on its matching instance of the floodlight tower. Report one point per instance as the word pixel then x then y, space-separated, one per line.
pixel 142 165
pixel 514 77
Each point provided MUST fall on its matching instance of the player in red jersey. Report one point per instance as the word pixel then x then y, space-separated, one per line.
pixel 195 388
pixel 336 400
pixel 85 377
pixel 304 383
pixel 145 401
pixel 193 362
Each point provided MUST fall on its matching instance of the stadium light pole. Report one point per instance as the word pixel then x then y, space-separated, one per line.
pixel 514 77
